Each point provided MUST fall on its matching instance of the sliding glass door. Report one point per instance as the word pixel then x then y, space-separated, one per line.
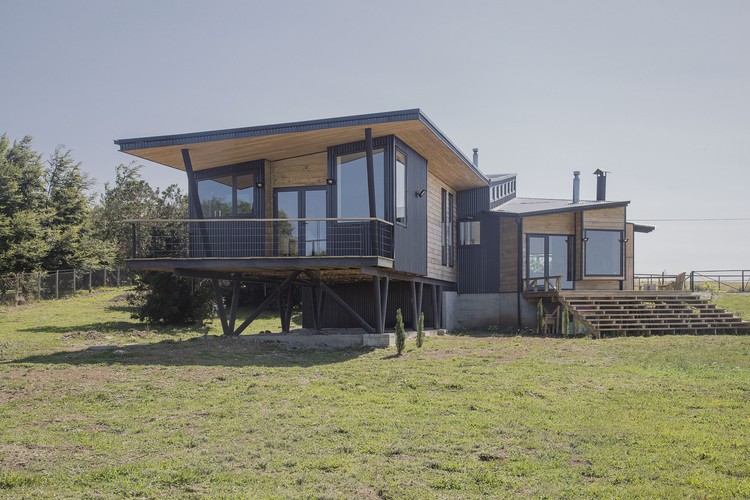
pixel 300 238
pixel 550 255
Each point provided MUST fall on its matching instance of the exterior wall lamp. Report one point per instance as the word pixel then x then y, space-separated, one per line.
pixel 420 194
pixel 259 184
pixel 330 181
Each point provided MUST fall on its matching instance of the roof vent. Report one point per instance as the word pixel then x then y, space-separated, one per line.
pixel 475 160
pixel 576 187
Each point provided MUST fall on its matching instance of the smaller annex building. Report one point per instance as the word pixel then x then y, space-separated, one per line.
pixel 372 213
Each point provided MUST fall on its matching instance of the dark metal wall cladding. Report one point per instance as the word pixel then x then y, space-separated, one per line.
pixel 472 202
pixel 410 242
pixel 479 265
pixel 360 297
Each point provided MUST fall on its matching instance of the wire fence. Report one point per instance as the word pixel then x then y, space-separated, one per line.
pixel 723 280
pixel 20 288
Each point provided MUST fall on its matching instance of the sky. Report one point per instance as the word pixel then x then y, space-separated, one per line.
pixel 655 92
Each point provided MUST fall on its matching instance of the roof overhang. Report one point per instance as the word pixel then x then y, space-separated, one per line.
pixel 642 228
pixel 287 140
pixel 542 210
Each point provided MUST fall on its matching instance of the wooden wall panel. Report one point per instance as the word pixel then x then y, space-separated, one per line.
pixel 598 285
pixel 435 267
pixel 508 255
pixel 563 223
pixel 628 284
pixel 605 218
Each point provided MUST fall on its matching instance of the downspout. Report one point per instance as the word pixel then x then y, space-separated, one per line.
pixel 519 269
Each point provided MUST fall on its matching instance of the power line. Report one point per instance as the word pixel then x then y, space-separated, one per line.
pixel 693 220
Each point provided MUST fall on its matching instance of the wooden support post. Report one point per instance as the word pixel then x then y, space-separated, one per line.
pixel 268 300
pixel 414 313
pixel 57 284
pixel 289 309
pixel 420 292
pixel 74 281
pixel 384 299
pixel 220 307
pixel 364 324
pixel 235 301
pixel 318 312
pixel 39 286
pixel 90 272
pixel 378 305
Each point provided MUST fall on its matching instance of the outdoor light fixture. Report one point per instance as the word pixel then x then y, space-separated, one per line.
pixel 259 185
pixel 330 181
pixel 421 193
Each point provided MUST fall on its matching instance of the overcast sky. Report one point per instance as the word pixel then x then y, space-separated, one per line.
pixel 656 92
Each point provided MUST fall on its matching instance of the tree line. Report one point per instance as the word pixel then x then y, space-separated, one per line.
pixel 49 220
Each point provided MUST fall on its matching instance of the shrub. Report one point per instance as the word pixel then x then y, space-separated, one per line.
pixel 539 316
pixel 566 322
pixel 400 333
pixel 160 297
pixel 420 330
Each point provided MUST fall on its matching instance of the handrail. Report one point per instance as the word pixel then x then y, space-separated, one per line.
pixel 233 219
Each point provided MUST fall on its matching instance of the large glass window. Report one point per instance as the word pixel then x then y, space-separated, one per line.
pixel 232 195
pixel 443 227
pixel 451 231
pixel 351 185
pixel 469 233
pixel 400 187
pixel 216 197
pixel 603 252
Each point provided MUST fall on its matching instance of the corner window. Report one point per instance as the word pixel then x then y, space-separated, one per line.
pixel 231 195
pixel 469 232
pixel 603 252
pixel 351 185
pixel 451 231
pixel 443 228
pixel 400 187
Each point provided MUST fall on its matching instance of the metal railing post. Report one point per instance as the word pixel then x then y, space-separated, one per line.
pixel 743 280
pixel 692 281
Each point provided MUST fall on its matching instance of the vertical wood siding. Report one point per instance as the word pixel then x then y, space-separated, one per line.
pixel 435 268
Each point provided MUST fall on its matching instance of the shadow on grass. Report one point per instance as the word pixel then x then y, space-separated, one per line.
pixel 117 327
pixel 202 351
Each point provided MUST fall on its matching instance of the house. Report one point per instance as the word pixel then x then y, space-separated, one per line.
pixel 369 214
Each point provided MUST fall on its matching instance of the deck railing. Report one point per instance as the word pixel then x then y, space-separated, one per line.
pixel 543 284
pixel 244 238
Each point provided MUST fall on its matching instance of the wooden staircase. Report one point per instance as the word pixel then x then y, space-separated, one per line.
pixel 614 313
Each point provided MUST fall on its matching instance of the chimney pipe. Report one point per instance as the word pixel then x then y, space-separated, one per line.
pixel 475 160
pixel 576 187
pixel 601 185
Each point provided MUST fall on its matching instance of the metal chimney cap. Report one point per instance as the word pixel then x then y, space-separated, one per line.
pixel 476 150
pixel 576 172
pixel 599 171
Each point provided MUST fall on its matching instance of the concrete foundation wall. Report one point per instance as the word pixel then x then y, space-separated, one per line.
pixel 482 310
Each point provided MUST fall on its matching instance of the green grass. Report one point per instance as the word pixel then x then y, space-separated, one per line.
pixel 466 416
pixel 739 303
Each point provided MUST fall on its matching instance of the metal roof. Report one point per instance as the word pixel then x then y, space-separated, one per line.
pixel 540 206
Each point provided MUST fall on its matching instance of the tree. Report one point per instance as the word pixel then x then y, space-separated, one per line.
pixel 24 228
pixel 131 197
pixel 72 243
pixel 161 298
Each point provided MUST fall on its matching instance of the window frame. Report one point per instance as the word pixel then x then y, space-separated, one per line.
pixel 405 221
pixel 234 171
pixel 621 241
pixel 470 222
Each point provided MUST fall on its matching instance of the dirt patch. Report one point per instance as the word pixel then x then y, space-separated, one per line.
pixel 34 456
pixel 500 355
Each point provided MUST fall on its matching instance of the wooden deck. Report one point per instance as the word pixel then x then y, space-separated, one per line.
pixel 615 313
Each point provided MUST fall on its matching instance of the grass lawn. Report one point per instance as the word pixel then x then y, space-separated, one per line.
pixel 466 416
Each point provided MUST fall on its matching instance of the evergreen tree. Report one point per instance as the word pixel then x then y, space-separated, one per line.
pixel 72 244
pixel 24 228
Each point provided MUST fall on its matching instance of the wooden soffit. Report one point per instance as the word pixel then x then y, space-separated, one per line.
pixel 277 142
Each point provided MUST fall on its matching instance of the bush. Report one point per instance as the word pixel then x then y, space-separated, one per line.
pixel 400 333
pixel 160 297
pixel 420 330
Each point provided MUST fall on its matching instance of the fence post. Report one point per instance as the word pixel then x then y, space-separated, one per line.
pixel 74 280
pixel 89 280
pixel 118 276
pixel 38 286
pixel 57 284
pixel 743 280
pixel 692 281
